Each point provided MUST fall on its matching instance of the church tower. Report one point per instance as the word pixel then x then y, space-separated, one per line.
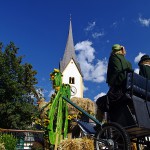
pixel 70 68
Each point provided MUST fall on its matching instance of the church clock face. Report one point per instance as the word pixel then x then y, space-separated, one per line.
pixel 73 90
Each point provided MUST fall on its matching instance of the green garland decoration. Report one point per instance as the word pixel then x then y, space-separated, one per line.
pixel 58 111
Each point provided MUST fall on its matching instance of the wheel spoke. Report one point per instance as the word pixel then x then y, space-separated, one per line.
pixel 115 137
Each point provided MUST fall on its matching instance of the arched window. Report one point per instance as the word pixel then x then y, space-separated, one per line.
pixel 71 80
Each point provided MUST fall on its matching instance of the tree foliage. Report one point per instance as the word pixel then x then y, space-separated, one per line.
pixel 16 83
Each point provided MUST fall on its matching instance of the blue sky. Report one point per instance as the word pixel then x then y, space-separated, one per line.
pixel 40 29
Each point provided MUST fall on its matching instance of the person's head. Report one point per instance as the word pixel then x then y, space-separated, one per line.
pixel 118 49
pixel 145 59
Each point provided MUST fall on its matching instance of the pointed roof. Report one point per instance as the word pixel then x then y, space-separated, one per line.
pixel 69 52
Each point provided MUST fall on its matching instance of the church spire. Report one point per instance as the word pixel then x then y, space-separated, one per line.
pixel 69 51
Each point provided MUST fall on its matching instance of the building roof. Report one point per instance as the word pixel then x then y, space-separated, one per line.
pixel 69 52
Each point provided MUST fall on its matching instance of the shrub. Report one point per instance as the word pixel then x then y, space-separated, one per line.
pixel 9 141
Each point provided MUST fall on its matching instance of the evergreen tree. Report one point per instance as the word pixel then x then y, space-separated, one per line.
pixel 16 83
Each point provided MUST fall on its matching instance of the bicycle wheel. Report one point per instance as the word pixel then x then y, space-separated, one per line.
pixel 112 137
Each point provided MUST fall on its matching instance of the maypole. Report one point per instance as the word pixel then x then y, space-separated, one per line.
pixel 58 110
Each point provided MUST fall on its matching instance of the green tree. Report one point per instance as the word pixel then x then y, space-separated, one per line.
pixel 16 83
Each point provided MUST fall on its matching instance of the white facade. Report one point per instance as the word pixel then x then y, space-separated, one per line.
pixel 71 72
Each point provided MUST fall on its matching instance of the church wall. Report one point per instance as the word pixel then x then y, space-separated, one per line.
pixel 72 71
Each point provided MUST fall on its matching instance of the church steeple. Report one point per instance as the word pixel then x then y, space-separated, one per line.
pixel 70 68
pixel 69 52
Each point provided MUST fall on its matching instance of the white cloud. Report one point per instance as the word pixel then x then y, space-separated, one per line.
pixel 41 92
pixel 145 22
pixel 136 70
pixel 91 72
pixel 90 26
pixel 91 29
pixel 99 71
pixel 50 93
pixel 97 34
pixel 99 95
pixel 86 51
pixel 138 57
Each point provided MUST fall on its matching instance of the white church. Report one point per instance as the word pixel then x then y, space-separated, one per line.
pixel 70 68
